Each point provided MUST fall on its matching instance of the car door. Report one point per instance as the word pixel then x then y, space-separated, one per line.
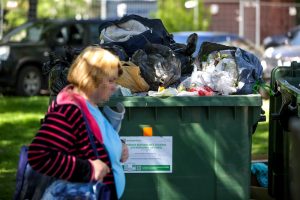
pixel 28 45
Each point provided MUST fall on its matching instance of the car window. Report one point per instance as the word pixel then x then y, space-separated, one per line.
pixel 61 36
pixel 94 31
pixel 75 34
pixel 70 34
pixel 29 34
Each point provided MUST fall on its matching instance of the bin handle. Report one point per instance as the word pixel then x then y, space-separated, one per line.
pixel 262 117
pixel 277 93
pixel 275 116
pixel 294 66
pixel 291 107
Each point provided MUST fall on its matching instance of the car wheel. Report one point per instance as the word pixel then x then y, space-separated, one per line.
pixel 29 81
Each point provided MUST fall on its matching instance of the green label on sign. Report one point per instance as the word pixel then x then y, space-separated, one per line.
pixel 148 168
pixel 155 167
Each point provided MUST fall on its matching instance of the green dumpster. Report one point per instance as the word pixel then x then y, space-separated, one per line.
pixel 203 146
pixel 284 134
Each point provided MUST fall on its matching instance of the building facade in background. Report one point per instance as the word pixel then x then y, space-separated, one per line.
pixel 253 19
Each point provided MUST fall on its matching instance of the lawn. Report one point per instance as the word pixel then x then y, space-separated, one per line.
pixel 260 137
pixel 20 119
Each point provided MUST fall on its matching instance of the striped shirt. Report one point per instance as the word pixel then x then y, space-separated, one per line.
pixel 62 148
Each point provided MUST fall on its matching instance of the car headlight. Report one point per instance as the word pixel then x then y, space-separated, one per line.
pixel 269 52
pixel 4 52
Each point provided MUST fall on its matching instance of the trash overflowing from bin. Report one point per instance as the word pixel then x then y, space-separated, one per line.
pixel 155 65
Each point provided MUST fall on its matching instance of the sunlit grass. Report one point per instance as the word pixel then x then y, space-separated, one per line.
pixel 18 117
pixel 19 121
pixel 260 137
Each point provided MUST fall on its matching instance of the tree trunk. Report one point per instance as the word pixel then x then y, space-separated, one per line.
pixel 32 12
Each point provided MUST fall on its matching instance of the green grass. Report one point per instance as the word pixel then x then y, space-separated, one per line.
pixel 260 137
pixel 20 119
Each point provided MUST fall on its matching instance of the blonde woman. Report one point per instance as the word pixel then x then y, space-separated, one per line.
pixel 62 148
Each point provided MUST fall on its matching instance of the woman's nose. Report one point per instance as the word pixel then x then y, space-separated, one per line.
pixel 114 87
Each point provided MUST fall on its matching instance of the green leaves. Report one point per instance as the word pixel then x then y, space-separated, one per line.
pixel 259 85
pixel 49 9
pixel 176 17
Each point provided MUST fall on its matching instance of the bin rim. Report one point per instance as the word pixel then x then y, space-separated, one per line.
pixel 285 84
pixel 253 100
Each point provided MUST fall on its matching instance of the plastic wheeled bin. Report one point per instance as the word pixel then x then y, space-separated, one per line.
pixel 210 146
pixel 284 133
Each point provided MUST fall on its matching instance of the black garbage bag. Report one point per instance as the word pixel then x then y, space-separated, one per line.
pixel 57 69
pixel 117 50
pixel 184 53
pixel 249 67
pixel 133 32
pixel 159 65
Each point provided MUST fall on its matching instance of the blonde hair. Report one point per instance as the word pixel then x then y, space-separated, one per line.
pixel 91 66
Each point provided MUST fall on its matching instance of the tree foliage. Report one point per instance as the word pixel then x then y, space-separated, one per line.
pixel 62 8
pixel 46 9
pixel 172 12
pixel 15 16
pixel 176 17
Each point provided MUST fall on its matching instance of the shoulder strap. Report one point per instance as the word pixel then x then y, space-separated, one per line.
pixel 91 135
pixel 21 172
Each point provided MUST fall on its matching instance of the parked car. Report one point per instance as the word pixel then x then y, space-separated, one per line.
pixel 292 37
pixel 229 39
pixel 279 56
pixel 24 50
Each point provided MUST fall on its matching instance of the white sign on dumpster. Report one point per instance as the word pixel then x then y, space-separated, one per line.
pixel 148 154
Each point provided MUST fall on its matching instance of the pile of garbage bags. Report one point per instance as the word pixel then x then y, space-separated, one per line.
pixel 155 65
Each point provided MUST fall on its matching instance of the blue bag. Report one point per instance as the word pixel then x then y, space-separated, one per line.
pixel 29 183
pixel 62 190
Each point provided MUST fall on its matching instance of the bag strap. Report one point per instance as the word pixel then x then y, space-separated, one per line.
pixel 91 136
pixel 21 172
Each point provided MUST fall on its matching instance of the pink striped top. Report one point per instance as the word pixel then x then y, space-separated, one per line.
pixel 62 149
